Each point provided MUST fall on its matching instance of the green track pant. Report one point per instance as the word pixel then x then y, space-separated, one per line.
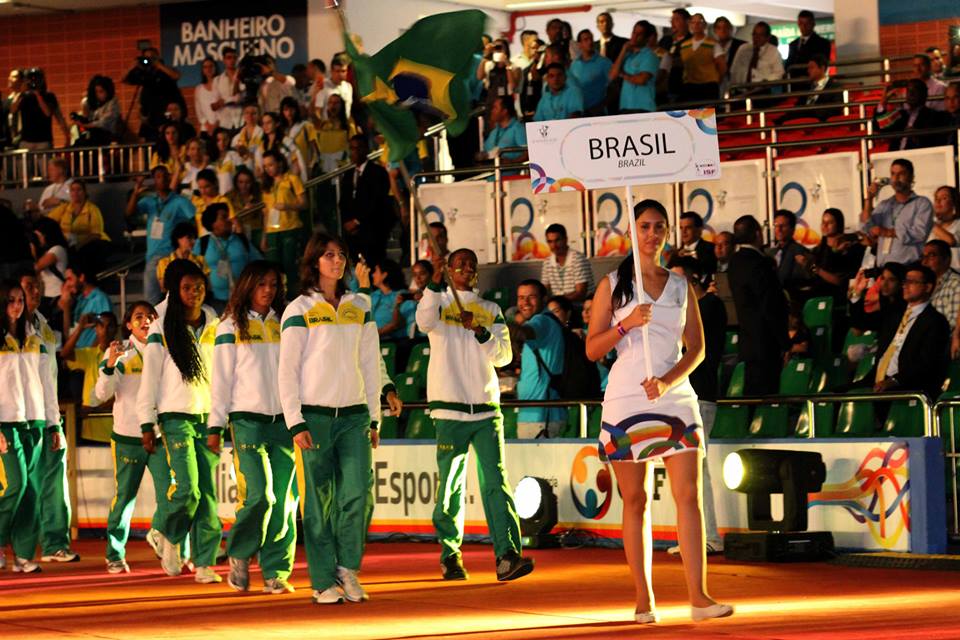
pixel 13 479
pixel 453 441
pixel 192 499
pixel 26 522
pixel 130 460
pixel 266 512
pixel 334 481
pixel 54 498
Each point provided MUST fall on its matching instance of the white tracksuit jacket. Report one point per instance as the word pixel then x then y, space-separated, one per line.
pixel 40 390
pixel 122 382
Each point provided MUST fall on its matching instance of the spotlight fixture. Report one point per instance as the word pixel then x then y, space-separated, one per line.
pixel 537 508
pixel 760 473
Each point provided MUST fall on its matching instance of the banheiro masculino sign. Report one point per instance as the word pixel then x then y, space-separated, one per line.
pixel 192 31
pixel 615 151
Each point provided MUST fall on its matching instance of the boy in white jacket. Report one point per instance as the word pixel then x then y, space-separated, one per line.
pixel 464 396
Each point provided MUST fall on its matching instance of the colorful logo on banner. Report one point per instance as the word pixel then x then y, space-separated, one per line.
pixel 592 499
pixel 702 117
pixel 803 234
pixel 544 183
pixel 525 244
pixel 612 240
pixel 435 212
pixel 655 433
pixel 877 495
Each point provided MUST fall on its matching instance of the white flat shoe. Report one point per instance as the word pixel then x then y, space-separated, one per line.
pixel 715 610
pixel 646 617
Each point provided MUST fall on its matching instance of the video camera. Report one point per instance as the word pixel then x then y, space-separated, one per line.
pixel 33 78
pixel 251 71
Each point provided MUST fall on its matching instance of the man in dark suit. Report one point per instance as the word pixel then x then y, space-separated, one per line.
pixel 915 348
pixel 723 33
pixel 785 250
pixel 610 45
pixel 912 118
pixel 366 206
pixel 806 46
pixel 761 309
pixel 825 86
pixel 693 245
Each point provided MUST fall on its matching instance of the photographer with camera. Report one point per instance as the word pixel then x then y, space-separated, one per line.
pixel 37 109
pixel 901 223
pixel 158 88
pixel 99 121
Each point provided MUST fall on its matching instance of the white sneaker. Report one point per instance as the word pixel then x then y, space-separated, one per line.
pixel 153 539
pixel 330 595
pixel 206 575
pixel 239 576
pixel 118 566
pixel 22 565
pixel 277 586
pixel 62 555
pixel 352 591
pixel 169 556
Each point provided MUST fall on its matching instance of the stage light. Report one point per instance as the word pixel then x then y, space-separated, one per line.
pixel 760 473
pixel 537 508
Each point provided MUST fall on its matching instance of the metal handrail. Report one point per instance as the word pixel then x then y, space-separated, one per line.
pixel 761 84
pixel 861 61
pixel 953 457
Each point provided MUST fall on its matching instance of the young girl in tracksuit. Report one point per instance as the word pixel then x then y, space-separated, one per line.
pixel 133 453
pixel 245 394
pixel 175 392
pixel 330 392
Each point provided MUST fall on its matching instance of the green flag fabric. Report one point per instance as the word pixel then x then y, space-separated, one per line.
pixel 424 70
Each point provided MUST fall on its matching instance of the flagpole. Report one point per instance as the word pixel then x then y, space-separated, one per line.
pixel 638 281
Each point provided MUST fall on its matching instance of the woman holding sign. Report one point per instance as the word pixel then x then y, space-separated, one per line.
pixel 658 418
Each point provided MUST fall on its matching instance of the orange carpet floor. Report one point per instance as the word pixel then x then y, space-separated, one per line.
pixel 574 593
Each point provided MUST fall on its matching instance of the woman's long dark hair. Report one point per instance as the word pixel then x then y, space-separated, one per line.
pixel 310 272
pixel 163 148
pixel 343 115
pixel 179 338
pixel 837 216
pixel 279 130
pixel 290 102
pixel 282 163
pixel 954 197
pixel 52 233
pixel 102 81
pixel 254 185
pixel 240 300
pixel 20 328
pixel 623 292
pixel 394 277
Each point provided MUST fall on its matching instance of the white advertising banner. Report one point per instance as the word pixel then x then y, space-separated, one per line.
pixel 611 229
pixel 932 169
pixel 466 209
pixel 740 190
pixel 529 215
pixel 613 151
pixel 866 501
pixel 806 186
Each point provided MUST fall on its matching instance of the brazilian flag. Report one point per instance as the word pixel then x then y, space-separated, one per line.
pixel 423 71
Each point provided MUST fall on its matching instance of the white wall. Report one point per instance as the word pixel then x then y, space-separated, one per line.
pixel 857 29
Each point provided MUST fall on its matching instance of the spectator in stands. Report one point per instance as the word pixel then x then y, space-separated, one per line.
pixel 301 80
pixel 299 133
pixel 532 78
pixel 591 71
pixel 164 210
pixel 158 88
pixel 439 232
pixel 183 239
pixel 542 357
pixel 207 102
pixel 528 49
pixel 336 83
pixel 835 260
pixel 333 134
pixel 936 62
pixel 169 153
pixel 208 193
pixel 177 114
pixel 284 198
pixel 566 272
pixel 798 337
pixel 561 99
pixel 609 44
pixel 706 380
pixel 36 109
pixel 86 358
pixel 870 306
pixel 276 86
pixel 723 249
pixel 250 137
pixel 808 45
pixel 80 219
pixel 227 161
pixel 923 71
pixel 497 73
pixel 901 223
pixel 692 243
pixel 637 67
pixel 823 84
pixel 727 45
pixel 946 294
pixel 388 285
pixel 99 122
pixel 785 251
pixel 366 207
pixel 561 308
pixel 758 60
pixel 196 160
pixel 422 271
pixel 275 139
pixel 761 309
pixel 51 264
pixel 703 63
pixel 228 88
pixel 914 348
pixel 58 191
pixel 913 116
pixel 951 103
pixel 226 251
pixel 946 221
pixel 246 194
pixel 671 65
pixel 505 129
pixel 80 297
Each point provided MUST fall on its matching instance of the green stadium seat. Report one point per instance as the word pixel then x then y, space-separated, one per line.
pixel 388 351
pixel 510 422
pixel 593 426
pixel 818 316
pixel 409 388
pixel 730 344
pixel 773 420
pixel 855 419
pixel 731 420
pixel 499 295
pixel 419 359
pixel 420 426
pixel 869 338
pixel 864 367
pixel 905 419
pixel 952 383
pixel 389 427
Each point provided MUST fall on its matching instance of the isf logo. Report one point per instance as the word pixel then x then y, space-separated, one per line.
pixel 591 484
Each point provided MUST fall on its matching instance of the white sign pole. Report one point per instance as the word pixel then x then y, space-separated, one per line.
pixel 638 280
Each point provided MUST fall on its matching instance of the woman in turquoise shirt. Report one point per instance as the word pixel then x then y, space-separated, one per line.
pixel 388 284
pixel 637 64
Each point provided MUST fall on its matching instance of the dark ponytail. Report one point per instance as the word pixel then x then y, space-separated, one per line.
pixel 180 343
pixel 623 292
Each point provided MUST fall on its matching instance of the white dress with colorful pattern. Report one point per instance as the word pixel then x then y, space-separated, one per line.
pixel 634 428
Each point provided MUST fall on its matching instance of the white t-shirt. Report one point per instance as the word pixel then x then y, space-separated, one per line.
pixel 52 284
pixel 954 228
pixel 230 116
pixel 344 90
pixel 58 190
pixel 202 99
